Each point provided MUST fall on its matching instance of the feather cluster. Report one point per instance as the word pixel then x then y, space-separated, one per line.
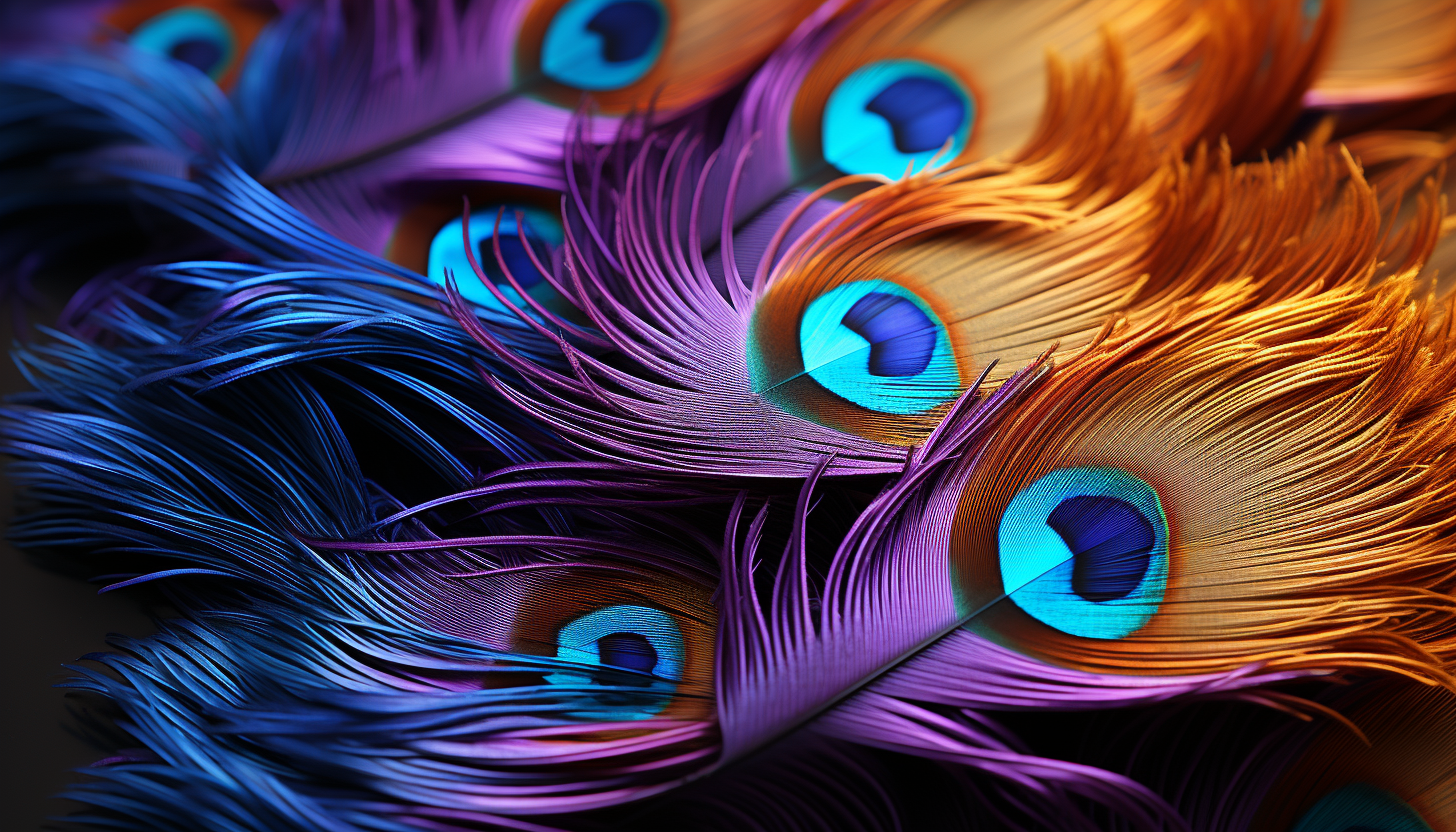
pixel 869 415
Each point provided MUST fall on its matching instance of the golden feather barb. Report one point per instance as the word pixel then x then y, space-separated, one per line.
pixel 1201 70
pixel 1299 454
pixel 1406 769
pixel 1007 283
pixel 1384 50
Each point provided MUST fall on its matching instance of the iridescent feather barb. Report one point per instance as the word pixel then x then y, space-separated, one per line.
pixel 1384 51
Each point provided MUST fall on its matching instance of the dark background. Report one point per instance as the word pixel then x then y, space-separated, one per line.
pixel 48 620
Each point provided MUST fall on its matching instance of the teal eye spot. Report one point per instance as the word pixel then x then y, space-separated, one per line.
pixel 1085 550
pixel 603 44
pixel 195 36
pixel 880 346
pixel 1360 807
pixel 626 637
pixel 447 253
pixel 890 115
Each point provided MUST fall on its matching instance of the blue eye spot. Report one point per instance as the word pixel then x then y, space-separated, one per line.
pixel 1085 550
pixel 627 30
pixel 901 336
pixel 447 252
pixel 200 54
pixel 1360 807
pixel 922 113
pixel 629 651
pixel 880 346
pixel 1111 544
pixel 889 115
pixel 603 44
pixel 192 35
pixel 626 637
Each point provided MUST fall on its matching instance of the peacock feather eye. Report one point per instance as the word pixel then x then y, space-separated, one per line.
pixel 191 35
pixel 890 116
pixel 629 637
pixel 624 647
pixel 603 44
pixel 1361 807
pixel 212 37
pixel 540 230
pixel 642 641
pixel 1085 550
pixel 676 55
pixel 871 357
pixel 880 346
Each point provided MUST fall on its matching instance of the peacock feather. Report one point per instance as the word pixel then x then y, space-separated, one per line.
pixel 857 336
pixel 689 414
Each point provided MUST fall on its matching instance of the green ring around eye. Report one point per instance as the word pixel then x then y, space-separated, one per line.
pixel 1085 550
pixel 1360 807
pixel 581 640
pixel 192 35
pixel 888 116
pixel 604 44
pixel 880 346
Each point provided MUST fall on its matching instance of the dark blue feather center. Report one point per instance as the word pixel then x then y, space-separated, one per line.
pixel 902 337
pixel 201 53
pixel 515 257
pixel 1111 543
pixel 629 651
pixel 628 29
pixel 922 112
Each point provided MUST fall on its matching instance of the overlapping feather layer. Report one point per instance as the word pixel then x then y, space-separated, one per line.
pixel 965 414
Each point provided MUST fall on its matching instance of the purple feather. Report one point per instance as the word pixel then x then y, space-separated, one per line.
pixel 393 72
pixel 40 27
pixel 411 94
pixel 517 143
pixel 760 125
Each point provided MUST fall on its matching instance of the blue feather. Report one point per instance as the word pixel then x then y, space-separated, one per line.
pixel 248 452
